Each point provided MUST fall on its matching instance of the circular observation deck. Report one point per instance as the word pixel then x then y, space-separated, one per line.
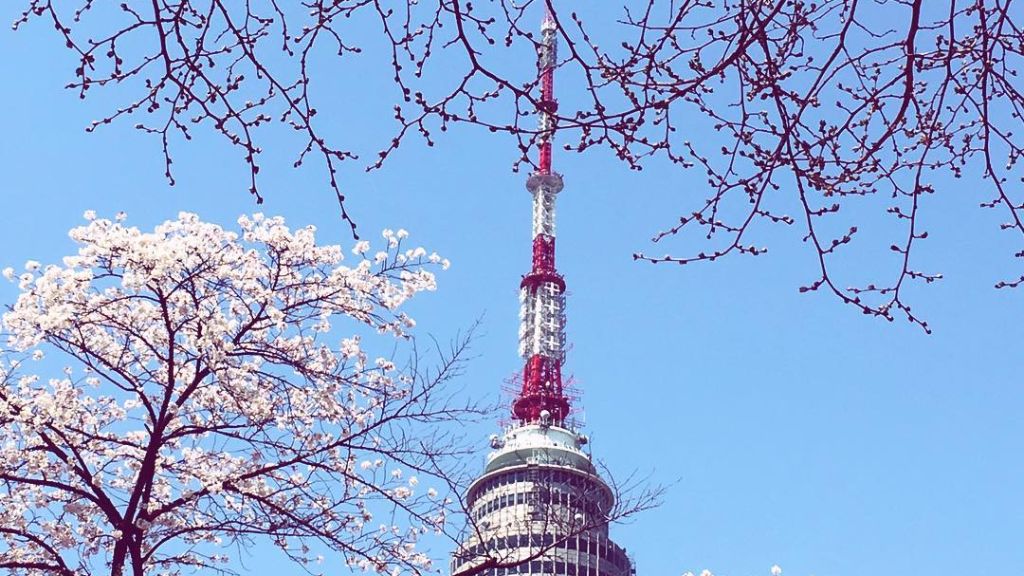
pixel 538 444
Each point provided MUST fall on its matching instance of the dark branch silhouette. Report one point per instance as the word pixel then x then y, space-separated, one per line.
pixel 809 104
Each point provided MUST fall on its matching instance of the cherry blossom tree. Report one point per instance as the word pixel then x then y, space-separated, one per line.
pixel 170 396
pixel 788 106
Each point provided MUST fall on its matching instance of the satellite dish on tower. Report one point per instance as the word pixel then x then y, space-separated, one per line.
pixel 545 418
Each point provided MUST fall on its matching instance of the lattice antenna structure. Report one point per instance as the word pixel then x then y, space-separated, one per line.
pixel 542 291
pixel 512 387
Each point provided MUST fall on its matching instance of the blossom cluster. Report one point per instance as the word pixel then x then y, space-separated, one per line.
pixel 207 400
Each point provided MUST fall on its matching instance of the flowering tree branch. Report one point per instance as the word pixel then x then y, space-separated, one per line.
pixel 202 406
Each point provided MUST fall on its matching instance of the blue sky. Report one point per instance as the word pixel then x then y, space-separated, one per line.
pixel 793 430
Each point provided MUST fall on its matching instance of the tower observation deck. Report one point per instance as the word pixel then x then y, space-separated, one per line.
pixel 540 508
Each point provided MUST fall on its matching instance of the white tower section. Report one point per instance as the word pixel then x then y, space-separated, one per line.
pixel 542 302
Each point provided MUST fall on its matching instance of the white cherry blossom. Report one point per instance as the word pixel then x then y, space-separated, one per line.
pixel 202 389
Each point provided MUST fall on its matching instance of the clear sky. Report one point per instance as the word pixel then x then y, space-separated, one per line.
pixel 793 430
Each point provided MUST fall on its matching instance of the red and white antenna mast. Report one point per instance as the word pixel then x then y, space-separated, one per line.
pixel 542 291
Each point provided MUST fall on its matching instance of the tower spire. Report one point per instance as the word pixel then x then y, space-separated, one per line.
pixel 542 291
pixel 547 58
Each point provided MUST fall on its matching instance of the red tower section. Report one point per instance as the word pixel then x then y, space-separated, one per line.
pixel 542 291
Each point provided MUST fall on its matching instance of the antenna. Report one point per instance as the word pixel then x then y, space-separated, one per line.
pixel 542 291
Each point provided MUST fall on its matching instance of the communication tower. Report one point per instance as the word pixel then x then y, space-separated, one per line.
pixel 540 508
